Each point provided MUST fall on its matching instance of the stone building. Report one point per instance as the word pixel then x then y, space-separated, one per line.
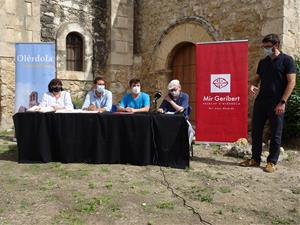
pixel 149 39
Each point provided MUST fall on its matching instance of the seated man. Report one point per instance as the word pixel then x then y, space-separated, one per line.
pixel 177 101
pixel 98 99
pixel 136 101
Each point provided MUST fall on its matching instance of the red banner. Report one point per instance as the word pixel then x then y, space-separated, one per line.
pixel 222 91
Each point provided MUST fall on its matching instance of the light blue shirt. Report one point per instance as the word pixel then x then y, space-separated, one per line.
pixel 104 101
pixel 141 101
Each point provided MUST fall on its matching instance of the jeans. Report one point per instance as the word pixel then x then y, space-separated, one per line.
pixel 263 110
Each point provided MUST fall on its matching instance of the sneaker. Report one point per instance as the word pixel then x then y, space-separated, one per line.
pixel 249 163
pixel 270 167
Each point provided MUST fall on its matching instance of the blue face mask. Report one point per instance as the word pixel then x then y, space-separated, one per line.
pixel 268 51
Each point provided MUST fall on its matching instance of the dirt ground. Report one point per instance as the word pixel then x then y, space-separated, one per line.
pixel 220 191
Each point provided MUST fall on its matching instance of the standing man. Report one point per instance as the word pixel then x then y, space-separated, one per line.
pixel 276 74
pixel 98 99
pixel 135 101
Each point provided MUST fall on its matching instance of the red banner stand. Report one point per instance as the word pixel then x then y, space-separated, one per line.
pixel 221 91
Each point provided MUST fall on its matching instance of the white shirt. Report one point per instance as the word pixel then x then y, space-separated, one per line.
pixel 64 100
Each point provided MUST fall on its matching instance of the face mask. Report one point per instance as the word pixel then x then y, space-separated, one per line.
pixel 136 90
pixel 100 88
pixel 268 51
pixel 175 93
pixel 56 88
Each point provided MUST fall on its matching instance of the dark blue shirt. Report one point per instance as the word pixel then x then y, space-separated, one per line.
pixel 182 100
pixel 273 75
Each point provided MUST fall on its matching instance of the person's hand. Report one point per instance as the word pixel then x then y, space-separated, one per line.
pixel 92 107
pixel 160 110
pixel 279 109
pixel 129 109
pixel 101 110
pixel 253 90
pixel 167 98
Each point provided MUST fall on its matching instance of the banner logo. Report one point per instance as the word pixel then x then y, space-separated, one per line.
pixel 220 83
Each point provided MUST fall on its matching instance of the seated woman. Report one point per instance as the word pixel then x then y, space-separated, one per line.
pixel 57 98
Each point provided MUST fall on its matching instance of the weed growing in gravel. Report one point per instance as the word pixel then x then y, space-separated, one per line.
pixel 109 184
pixel 296 190
pixel 165 205
pixel 225 189
pixel 283 221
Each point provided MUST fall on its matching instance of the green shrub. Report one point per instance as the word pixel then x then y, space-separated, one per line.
pixel 292 115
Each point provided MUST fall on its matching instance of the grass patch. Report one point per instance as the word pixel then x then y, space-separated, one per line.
pixel 296 191
pixel 92 185
pixel 115 207
pixel 202 194
pixel 219 212
pixel 165 205
pixel 290 156
pixel 109 185
pixel 76 174
pixel 235 209
pixel 88 207
pixel 225 189
pixel 104 170
pixel 205 198
pixel 24 204
pixel 283 221
pixel 67 217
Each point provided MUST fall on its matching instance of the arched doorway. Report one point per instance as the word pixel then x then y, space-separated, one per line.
pixel 183 67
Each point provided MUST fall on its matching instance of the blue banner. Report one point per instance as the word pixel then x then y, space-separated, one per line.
pixel 35 68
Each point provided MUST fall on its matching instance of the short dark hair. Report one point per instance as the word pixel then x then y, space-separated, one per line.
pixel 98 78
pixel 273 38
pixel 54 82
pixel 134 81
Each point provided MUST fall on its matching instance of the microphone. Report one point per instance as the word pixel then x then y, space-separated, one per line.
pixel 157 96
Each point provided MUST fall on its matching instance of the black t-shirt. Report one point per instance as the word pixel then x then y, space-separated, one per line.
pixel 273 75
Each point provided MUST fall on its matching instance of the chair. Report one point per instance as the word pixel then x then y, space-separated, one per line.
pixel 114 108
pixel 189 110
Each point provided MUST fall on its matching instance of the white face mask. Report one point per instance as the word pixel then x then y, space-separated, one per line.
pixel 268 51
pixel 136 90
pixel 100 88
pixel 175 93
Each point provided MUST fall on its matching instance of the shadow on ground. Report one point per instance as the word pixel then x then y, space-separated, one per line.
pixel 11 154
pixel 212 161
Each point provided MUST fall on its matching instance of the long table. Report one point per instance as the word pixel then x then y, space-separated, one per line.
pixel 137 139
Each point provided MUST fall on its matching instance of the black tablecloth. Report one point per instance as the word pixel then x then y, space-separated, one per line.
pixel 138 139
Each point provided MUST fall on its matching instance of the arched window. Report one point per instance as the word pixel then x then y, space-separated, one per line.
pixel 74 45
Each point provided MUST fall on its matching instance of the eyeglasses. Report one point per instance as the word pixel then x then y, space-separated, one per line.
pixel 267 46
pixel 173 89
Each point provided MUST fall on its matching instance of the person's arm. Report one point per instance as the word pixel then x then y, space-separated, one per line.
pixel 254 85
pixel 178 108
pixel 122 106
pixel 291 79
pixel 68 101
pixel 108 103
pixel 146 100
pixel 86 103
pixel 146 104
pixel 163 107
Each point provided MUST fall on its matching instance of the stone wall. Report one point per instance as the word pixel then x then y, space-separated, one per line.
pixel 291 27
pixel 90 16
pixel 222 19
pixel 19 22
